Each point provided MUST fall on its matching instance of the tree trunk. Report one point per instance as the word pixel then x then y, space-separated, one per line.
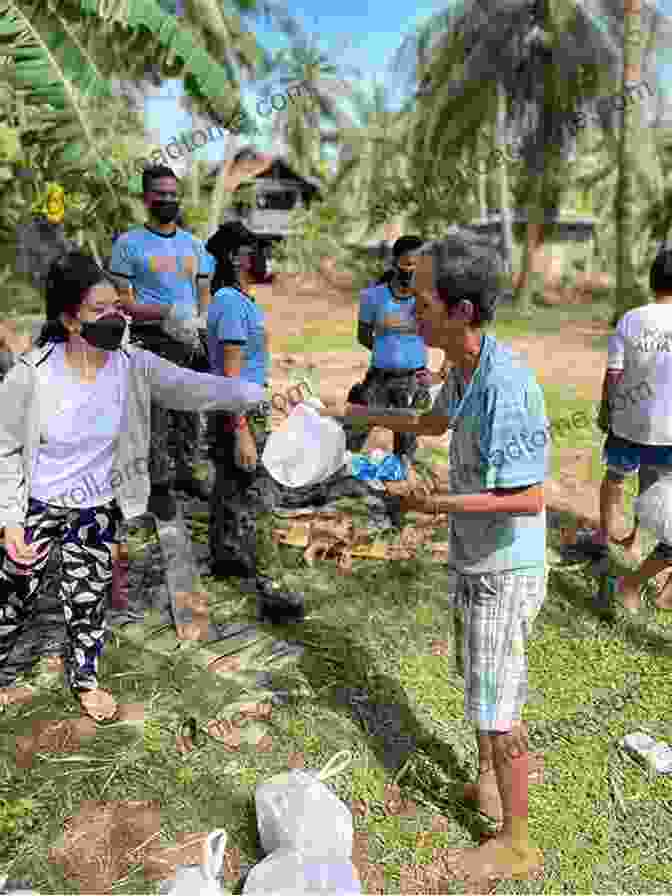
pixel 626 289
pixel 483 196
pixel 503 182
pixel 531 278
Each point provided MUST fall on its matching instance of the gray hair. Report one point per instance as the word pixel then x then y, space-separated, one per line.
pixel 469 265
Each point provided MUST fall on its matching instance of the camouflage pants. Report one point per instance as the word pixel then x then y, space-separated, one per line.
pixel 238 496
pixel 389 390
pixel 175 434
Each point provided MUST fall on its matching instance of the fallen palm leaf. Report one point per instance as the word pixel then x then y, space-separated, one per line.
pixel 103 840
pixel 359 808
pixel 440 824
pixel 161 862
pixel 321 542
pixel 345 560
pixel 257 711
pixel 317 550
pixel 296 760
pixel 226 733
pixel 224 664
pixel 395 804
pixel 131 713
pixel 63 736
pixel 441 648
pixel 187 737
pixel 193 631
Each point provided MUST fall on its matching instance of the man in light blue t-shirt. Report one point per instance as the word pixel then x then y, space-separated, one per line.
pixel 160 268
pixel 494 406
pixel 388 327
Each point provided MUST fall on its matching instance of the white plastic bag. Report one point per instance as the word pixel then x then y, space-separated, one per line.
pixel 307 450
pixel 289 873
pixel 296 811
pixel 654 509
pixel 192 880
pixel 6 889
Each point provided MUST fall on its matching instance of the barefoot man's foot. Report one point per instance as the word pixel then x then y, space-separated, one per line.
pixel 495 860
pixel 484 791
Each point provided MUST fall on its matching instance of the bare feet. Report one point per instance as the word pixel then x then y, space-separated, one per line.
pixel 98 704
pixel 485 794
pixel 484 791
pixel 664 599
pixel 497 859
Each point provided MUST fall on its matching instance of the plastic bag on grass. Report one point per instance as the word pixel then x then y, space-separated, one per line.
pixel 385 468
pixel 289 873
pixel 654 509
pixel 296 811
pixel 192 880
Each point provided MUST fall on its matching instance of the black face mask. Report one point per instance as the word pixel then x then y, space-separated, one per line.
pixel 106 334
pixel 405 278
pixel 165 212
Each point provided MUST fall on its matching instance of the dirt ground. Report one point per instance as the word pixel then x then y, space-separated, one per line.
pixel 567 357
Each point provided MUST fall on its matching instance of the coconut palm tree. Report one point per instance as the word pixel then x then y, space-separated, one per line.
pixel 373 170
pixel 367 150
pixel 551 60
pixel 627 294
pixel 315 90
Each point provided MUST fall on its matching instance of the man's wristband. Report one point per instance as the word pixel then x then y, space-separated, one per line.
pixel 241 422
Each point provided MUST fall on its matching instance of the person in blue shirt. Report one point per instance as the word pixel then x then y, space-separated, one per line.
pixel 159 269
pixel 498 463
pixel 388 328
pixel 238 346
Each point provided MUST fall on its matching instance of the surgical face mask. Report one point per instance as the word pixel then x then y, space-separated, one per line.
pixel 106 333
pixel 404 278
pixel 165 211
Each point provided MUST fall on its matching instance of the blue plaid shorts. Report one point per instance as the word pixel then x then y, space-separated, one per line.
pixel 494 613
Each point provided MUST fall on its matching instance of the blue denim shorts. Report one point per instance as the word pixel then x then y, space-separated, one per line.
pixel 622 456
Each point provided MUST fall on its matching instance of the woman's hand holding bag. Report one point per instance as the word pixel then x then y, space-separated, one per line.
pixel 245 452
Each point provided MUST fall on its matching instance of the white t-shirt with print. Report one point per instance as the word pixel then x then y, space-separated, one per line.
pixel 642 402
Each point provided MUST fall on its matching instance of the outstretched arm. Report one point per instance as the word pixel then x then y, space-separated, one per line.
pixel 181 389
pixel 403 421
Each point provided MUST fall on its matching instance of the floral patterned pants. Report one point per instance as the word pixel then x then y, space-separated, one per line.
pixel 85 536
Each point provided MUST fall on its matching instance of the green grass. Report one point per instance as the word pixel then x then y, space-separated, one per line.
pixel 590 684
pixel 605 826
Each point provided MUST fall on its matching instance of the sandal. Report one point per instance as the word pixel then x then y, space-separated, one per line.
pixel 100 705
pixel 643 747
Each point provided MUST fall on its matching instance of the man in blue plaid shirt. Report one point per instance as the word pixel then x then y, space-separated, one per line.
pixel 498 464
